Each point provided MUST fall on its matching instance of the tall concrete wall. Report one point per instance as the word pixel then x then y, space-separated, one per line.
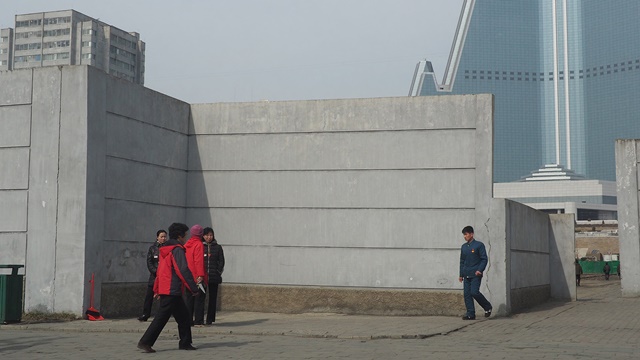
pixel 333 205
pixel 368 193
pixel 97 165
pixel 530 256
pixel 628 188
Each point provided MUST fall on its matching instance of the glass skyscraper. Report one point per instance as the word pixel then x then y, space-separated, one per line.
pixel 565 75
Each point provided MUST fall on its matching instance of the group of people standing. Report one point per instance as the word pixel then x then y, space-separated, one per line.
pixel 182 273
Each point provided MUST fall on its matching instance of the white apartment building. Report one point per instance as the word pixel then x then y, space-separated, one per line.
pixel 71 38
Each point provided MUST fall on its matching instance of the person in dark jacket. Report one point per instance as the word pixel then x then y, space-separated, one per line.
pixel 579 272
pixel 152 265
pixel 473 261
pixel 607 270
pixel 172 278
pixel 213 268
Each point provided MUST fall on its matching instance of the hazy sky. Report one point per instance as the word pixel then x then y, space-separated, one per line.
pixel 203 51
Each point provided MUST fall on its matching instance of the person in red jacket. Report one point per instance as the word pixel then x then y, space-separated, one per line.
pixel 195 259
pixel 173 277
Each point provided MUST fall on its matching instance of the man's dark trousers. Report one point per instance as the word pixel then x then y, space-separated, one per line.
pixel 169 305
pixel 148 301
pixel 471 292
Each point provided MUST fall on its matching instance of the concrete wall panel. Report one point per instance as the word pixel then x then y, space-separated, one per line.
pixel 19 93
pixel 349 189
pixel 136 102
pixel 528 234
pixel 126 261
pixel 561 256
pixel 438 112
pixel 529 269
pixel 70 243
pixel 528 226
pixel 13 210
pixel 15 165
pixel 130 180
pixel 398 268
pixel 628 186
pixel 358 150
pixel 43 190
pixel 141 220
pixel 14 248
pixel 146 143
pixel 16 125
pixel 339 228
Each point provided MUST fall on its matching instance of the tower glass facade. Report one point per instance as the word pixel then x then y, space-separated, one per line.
pixel 565 80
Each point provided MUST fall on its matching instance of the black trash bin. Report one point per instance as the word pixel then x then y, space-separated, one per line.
pixel 11 294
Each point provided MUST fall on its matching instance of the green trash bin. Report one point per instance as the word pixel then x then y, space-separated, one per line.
pixel 11 294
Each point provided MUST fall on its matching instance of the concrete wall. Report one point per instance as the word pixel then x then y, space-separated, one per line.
pixel 15 140
pixel 98 164
pixel 365 192
pixel 628 188
pixel 334 205
pixel 530 256
pixel 368 193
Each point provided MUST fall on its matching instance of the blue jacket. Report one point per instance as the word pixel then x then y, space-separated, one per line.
pixel 473 257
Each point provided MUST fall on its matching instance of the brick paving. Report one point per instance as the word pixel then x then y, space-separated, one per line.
pixel 600 325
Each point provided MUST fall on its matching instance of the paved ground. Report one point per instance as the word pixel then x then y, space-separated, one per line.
pixel 601 325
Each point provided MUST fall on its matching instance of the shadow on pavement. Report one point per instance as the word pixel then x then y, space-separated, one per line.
pixel 230 344
pixel 242 323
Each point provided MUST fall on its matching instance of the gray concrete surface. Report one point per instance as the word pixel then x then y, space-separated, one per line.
pixel 628 190
pixel 350 193
pixel 600 325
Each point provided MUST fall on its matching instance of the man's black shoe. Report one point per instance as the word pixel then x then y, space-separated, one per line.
pixel 488 313
pixel 466 317
pixel 188 347
pixel 146 348
pixel 143 318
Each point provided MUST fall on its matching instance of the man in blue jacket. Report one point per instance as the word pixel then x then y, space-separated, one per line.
pixel 473 261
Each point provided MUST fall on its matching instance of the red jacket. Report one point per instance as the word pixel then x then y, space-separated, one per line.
pixel 195 256
pixel 173 273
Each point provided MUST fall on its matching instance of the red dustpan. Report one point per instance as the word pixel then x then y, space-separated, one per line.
pixel 92 313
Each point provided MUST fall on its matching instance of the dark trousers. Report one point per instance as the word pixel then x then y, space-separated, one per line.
pixel 212 294
pixel 169 305
pixel 148 302
pixel 471 292
pixel 190 302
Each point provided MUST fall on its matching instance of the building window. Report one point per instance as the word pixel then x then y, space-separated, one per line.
pixel 87 32
pixel 89 56
pixel 58 20
pixel 28 34
pixel 4 39
pixel 88 44
pixel 57 32
pixel 54 44
pixel 31 46
pixel 26 23
pixel 58 56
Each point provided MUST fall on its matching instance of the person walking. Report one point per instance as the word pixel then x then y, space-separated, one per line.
pixel 214 266
pixel 152 265
pixel 173 276
pixel 578 272
pixel 473 261
pixel 607 270
pixel 619 276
